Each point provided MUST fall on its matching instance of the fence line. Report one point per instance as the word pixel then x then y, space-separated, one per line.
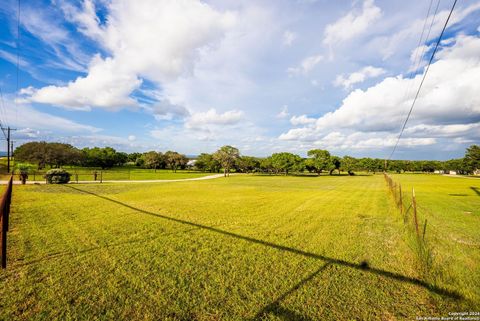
pixel 100 175
pixel 5 201
pixel 405 208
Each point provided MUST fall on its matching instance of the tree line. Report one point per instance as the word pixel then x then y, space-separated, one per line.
pixel 55 155
pixel 321 161
pixel 228 158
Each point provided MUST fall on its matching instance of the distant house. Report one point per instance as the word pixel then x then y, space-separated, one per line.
pixel 439 171
pixel 476 172
pixel 452 172
pixel 191 163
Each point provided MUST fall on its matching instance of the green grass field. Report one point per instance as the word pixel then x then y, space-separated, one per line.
pixel 242 248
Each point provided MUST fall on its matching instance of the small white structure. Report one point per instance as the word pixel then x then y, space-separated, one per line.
pixel 191 163
pixel 452 172
pixel 476 172
pixel 439 171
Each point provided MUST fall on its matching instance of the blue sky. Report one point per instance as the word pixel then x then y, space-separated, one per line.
pixel 265 76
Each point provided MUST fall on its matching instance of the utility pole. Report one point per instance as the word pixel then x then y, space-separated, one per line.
pixel 9 146
pixel 11 152
pixel 8 149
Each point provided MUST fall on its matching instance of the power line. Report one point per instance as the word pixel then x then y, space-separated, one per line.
pixel 423 78
pixel 18 63
pixel 415 63
pixel 418 58
pixel 3 122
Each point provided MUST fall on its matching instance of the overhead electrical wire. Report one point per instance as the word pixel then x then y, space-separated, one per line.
pixel 415 63
pixel 3 115
pixel 18 63
pixel 423 78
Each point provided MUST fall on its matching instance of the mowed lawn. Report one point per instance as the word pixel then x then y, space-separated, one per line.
pixel 240 248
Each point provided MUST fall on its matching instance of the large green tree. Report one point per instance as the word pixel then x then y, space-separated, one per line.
pixel 286 162
pixel 207 163
pixel 349 164
pixel 247 164
pixel 227 156
pixel 52 154
pixel 319 160
pixel 175 160
pixel 104 157
pixel 153 160
pixel 472 158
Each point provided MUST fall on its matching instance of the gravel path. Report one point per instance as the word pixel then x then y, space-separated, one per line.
pixel 128 181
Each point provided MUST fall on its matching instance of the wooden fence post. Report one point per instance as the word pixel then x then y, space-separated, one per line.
pixel 4 240
pixel 4 213
pixel 8 201
pixel 424 229
pixel 415 219
pixel 401 198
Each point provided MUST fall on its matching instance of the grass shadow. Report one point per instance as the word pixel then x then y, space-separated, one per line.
pixel 475 189
pixel 286 314
pixel 358 266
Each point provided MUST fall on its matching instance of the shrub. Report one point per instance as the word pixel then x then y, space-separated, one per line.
pixel 57 176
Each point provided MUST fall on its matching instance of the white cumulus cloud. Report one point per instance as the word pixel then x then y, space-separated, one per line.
pixel 352 24
pixel 306 65
pixel 212 117
pixel 347 81
pixel 448 106
pixel 302 120
pixel 153 39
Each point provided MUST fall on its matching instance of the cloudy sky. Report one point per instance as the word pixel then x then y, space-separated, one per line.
pixel 264 76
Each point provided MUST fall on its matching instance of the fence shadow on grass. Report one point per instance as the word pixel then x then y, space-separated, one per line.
pixel 475 189
pixel 276 309
pixel 358 266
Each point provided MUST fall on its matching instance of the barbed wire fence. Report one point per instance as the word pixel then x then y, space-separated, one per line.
pixel 414 220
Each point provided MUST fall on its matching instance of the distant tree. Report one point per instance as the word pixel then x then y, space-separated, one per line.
pixel 349 164
pixel 266 164
pixel 207 163
pixel 132 157
pixel 52 154
pixel 105 157
pixel 153 160
pixel 472 158
pixel 285 162
pixel 428 166
pixel 227 156
pixel 175 160
pixel 247 164
pixel 121 158
pixel 320 160
pixel 335 164
pixel 458 165
pixel 368 164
